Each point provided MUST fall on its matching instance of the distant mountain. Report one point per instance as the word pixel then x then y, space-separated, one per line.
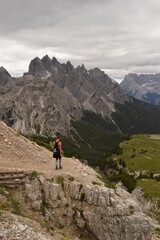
pixel 144 87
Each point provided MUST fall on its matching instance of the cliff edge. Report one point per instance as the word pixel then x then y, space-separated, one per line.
pixel 71 203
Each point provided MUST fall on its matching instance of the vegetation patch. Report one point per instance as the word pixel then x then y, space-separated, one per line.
pixel 142 159
pixel 151 188
pixel 3 206
pixel 52 179
pixel 96 183
pixel 80 187
pixel 43 210
pixel 71 178
pixel 33 175
pixel 157 231
pixel 82 198
pixel 105 179
pixel 44 141
pixel 9 198
pixel 136 117
pixel 131 209
pixel 60 180
pixel 128 180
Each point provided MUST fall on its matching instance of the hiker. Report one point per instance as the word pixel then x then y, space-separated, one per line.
pixel 57 152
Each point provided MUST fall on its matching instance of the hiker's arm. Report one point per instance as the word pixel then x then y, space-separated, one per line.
pixel 53 144
pixel 60 148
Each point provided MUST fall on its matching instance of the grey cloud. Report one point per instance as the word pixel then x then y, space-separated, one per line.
pixel 119 36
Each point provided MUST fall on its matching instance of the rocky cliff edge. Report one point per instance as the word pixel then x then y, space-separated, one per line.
pixel 71 203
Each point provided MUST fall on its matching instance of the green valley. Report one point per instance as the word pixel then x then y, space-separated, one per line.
pixel 141 155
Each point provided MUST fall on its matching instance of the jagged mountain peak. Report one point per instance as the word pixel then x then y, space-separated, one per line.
pixel 69 67
pixel 47 63
pixel 55 61
pixel 3 70
pixel 36 59
pixel 81 69
pixel 36 67
pixel 5 77
pixel 41 67
pixel 97 72
pixel 46 58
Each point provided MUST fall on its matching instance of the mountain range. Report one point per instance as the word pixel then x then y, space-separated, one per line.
pixel 145 87
pixel 52 94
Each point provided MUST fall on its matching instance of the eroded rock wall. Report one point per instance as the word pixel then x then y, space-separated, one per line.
pixel 94 210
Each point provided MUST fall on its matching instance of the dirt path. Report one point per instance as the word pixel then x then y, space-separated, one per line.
pixel 17 152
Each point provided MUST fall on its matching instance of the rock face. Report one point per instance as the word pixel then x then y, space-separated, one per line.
pixel 51 94
pixel 35 105
pixel 144 87
pixel 87 212
pixel 97 211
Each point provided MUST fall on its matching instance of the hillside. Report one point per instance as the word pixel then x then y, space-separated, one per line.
pixel 71 203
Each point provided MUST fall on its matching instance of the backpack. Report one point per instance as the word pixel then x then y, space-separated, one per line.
pixel 56 152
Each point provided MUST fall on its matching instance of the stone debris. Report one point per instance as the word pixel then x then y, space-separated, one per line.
pixel 13 227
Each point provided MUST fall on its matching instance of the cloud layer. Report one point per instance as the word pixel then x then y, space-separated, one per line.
pixel 117 36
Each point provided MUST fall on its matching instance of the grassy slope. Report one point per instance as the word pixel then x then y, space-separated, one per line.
pixel 150 187
pixel 142 153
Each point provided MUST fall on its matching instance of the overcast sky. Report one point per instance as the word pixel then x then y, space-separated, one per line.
pixel 119 36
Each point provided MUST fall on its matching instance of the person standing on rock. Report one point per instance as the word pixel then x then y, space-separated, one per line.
pixel 57 150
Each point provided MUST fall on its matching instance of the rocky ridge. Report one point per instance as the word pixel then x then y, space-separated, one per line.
pixel 73 200
pixel 50 94
pixel 53 95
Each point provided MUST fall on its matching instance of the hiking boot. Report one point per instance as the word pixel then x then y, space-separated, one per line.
pixel 56 168
pixel 60 167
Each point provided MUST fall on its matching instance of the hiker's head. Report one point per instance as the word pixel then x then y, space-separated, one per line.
pixel 58 138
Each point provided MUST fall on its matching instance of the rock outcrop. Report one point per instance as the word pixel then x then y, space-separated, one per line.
pixel 94 210
pixel 85 211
